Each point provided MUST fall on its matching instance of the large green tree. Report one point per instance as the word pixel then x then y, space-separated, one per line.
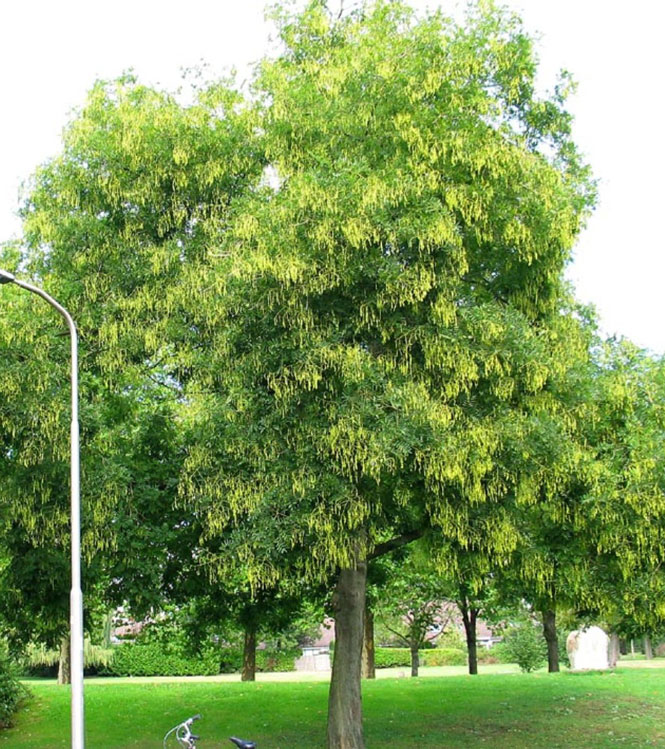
pixel 384 346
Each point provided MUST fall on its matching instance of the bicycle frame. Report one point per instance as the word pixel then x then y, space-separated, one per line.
pixel 187 740
pixel 183 734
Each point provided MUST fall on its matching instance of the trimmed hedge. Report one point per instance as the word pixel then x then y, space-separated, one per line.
pixel 392 657
pixel 401 657
pixel 152 659
pixel 443 657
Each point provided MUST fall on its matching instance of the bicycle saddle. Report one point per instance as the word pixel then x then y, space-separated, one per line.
pixel 243 744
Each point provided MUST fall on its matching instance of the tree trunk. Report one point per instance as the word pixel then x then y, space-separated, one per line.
pixel 368 665
pixel 469 617
pixel 345 721
pixel 613 650
pixel 65 664
pixel 249 655
pixel 648 650
pixel 549 630
pixel 414 659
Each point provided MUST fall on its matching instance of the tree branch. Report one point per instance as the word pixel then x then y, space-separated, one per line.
pixel 395 543
pixel 403 638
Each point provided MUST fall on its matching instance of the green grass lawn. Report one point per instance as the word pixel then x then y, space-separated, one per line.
pixel 504 711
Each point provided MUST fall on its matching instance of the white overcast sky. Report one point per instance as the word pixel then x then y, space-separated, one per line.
pixel 51 51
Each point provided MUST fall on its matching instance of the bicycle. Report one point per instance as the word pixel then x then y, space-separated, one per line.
pixel 187 740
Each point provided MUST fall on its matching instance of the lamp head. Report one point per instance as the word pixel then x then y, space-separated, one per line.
pixel 6 277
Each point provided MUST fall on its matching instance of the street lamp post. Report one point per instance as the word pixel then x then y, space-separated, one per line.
pixel 76 596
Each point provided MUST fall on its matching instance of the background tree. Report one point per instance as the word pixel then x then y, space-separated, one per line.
pixel 106 225
pixel 379 572
pixel 410 606
pixel 34 462
pixel 619 522
pixel 469 582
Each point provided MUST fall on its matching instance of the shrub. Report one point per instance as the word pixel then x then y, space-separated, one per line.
pixel 451 638
pixel 525 645
pixel 12 693
pixel 269 659
pixel 230 660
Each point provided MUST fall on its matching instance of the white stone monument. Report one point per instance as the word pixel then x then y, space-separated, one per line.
pixel 588 649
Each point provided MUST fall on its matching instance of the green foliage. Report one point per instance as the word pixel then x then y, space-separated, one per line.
pixel 198 639
pixel 172 630
pixel 496 654
pixel 298 628
pixel 12 692
pixel 225 612
pixel 128 454
pixel 562 637
pixel 451 638
pixel 524 644
pixel 626 585
pixel 393 285
pixel 93 213
pixel 277 660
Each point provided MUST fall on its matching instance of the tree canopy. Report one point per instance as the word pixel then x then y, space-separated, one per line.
pixel 385 298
